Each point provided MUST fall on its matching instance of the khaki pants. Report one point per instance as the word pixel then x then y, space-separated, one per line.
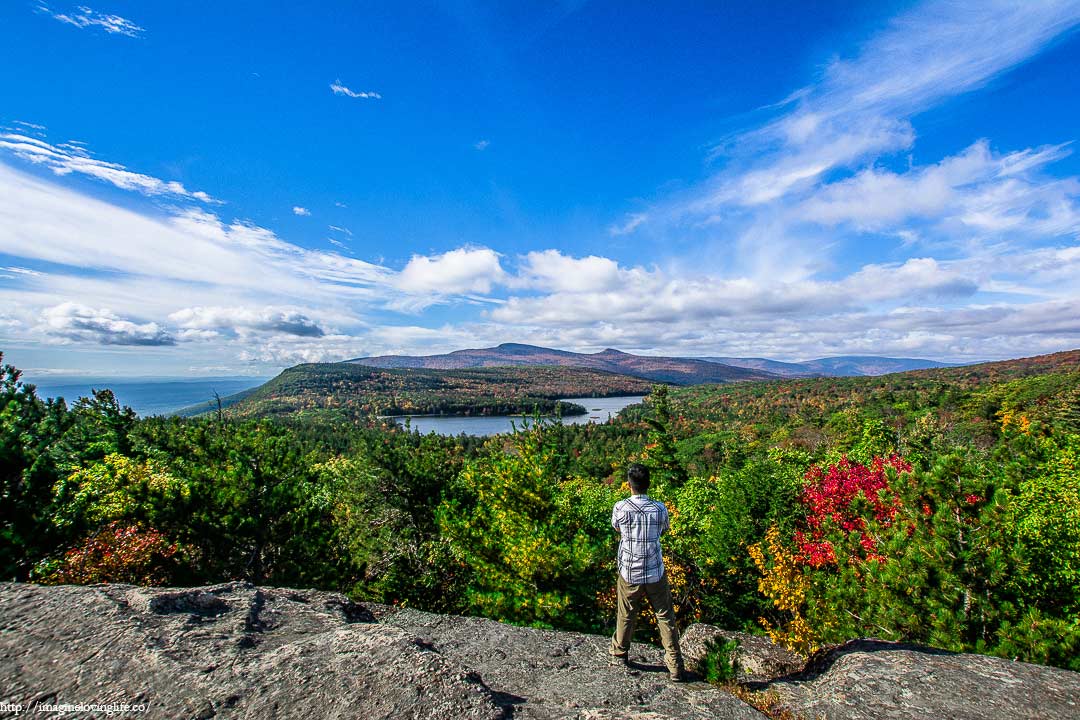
pixel 630 602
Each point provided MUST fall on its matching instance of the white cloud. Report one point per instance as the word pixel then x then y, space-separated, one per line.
pixel 21 271
pixel 466 270
pixel 551 270
pixel 69 158
pixel 482 144
pixel 632 223
pixel 301 211
pixel 977 188
pixel 637 295
pixel 279 321
pixel 340 229
pixel 338 89
pixel 142 261
pixel 84 17
pixel 29 125
pixel 75 322
pixel 282 351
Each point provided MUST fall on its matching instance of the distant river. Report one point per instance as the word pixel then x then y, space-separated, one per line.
pixel 599 410
pixel 150 397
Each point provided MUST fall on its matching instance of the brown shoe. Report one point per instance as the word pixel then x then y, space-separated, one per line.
pixel 622 660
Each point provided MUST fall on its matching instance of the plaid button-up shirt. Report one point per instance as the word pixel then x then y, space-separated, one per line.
pixel 641 522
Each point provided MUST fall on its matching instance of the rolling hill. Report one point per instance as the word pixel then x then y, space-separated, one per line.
pixel 350 391
pixel 677 371
pixel 838 366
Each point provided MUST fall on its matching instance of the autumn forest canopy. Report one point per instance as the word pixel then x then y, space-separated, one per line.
pixel 937 506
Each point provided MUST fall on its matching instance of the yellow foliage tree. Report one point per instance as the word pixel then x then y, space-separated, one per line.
pixel 783 582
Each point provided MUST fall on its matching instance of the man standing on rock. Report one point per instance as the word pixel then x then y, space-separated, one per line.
pixel 641 521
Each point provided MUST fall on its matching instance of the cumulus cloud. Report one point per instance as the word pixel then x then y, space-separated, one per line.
pixel 84 17
pixel 301 211
pixel 338 89
pixel 75 322
pixel 590 291
pixel 244 319
pixel 551 270
pixel 466 270
pixel 68 158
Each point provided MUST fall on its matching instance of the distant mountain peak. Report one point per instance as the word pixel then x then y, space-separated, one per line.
pixel 522 348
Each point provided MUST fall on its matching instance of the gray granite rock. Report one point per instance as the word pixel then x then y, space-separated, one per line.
pixel 238 651
pixel 546 674
pixel 228 651
pixel 870 679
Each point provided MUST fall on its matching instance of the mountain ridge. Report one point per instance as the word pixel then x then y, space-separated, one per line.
pixel 673 369
pixel 836 365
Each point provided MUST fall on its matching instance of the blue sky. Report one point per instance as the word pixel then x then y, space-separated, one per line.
pixel 235 187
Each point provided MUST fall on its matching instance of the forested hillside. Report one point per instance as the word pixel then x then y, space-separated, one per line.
pixel 938 506
pixel 345 391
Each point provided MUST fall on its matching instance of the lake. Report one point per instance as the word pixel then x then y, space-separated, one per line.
pixel 149 397
pixel 599 410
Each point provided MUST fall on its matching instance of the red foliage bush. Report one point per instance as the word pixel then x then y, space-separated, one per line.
pixel 830 495
pixel 116 553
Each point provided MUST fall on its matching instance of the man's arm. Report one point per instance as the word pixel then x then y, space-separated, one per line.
pixel 616 518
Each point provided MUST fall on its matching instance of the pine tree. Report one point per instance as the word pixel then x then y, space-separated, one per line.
pixel 660 448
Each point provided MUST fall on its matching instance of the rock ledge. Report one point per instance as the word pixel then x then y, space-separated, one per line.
pixel 240 651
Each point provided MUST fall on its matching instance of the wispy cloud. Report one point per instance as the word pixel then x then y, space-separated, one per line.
pixel 977 189
pixel 632 223
pixel 21 271
pixel 301 211
pixel 29 125
pixel 72 157
pixel 794 191
pixel 481 144
pixel 339 89
pixel 84 17
pixel 340 229
pixel 862 106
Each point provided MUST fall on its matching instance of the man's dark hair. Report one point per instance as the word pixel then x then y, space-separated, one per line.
pixel 638 477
